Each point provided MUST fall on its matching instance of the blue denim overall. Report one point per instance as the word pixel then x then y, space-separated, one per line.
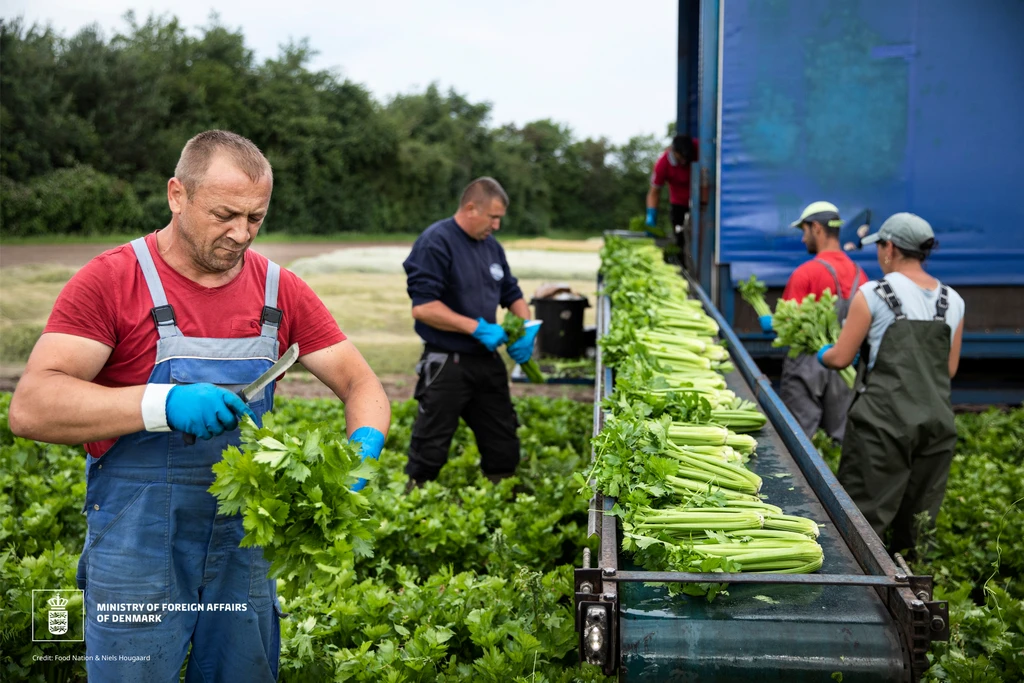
pixel 156 542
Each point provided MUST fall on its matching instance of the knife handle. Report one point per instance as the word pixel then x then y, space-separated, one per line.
pixel 190 439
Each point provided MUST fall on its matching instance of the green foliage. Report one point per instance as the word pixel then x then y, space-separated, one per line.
pixel 807 326
pixel 77 200
pixel 515 328
pixel 975 552
pixel 675 471
pixel 753 291
pixel 466 581
pixel 986 643
pixel 115 113
pixel 293 493
pixel 17 342
pixel 978 530
pixel 828 449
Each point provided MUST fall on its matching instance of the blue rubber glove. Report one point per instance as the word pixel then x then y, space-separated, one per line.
pixel 821 354
pixel 204 410
pixel 766 323
pixel 652 217
pixel 491 335
pixel 521 350
pixel 371 443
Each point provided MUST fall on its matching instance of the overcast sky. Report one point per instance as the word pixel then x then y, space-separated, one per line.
pixel 604 67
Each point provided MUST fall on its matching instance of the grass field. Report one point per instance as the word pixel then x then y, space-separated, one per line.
pixel 371 308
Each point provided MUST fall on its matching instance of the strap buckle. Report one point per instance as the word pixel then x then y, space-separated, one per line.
pixel 271 316
pixel 163 315
pixel 942 305
pixel 884 290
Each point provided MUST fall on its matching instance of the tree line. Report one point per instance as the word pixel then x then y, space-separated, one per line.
pixel 91 128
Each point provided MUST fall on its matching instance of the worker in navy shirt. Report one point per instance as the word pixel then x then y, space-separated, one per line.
pixel 457 278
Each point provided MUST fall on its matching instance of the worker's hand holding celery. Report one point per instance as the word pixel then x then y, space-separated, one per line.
pixel 521 335
pixel 752 291
pixel 808 326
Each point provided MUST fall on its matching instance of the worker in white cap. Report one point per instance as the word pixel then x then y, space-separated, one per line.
pixel 815 395
pixel 900 435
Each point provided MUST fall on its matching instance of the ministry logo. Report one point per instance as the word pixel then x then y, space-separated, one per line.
pixel 58 618
pixel 58 615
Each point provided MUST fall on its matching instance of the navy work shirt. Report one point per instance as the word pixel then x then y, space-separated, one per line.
pixel 469 276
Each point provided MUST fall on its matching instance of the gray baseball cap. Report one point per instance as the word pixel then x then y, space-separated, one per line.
pixel 905 230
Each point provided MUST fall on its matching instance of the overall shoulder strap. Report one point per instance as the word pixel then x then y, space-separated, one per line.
pixel 271 318
pixel 884 290
pixel 835 277
pixel 856 281
pixel 163 313
pixel 942 305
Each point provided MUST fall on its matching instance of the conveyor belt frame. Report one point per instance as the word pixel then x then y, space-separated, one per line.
pixel 908 598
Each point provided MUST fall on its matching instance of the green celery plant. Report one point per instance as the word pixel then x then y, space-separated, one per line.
pixel 515 328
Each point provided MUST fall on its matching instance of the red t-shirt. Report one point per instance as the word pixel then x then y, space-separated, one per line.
pixel 814 278
pixel 677 176
pixel 108 301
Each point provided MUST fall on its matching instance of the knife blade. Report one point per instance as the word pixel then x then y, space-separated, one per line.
pixel 252 390
pixel 276 370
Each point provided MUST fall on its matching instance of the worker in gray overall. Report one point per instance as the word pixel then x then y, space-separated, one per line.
pixel 139 360
pixel 816 396
pixel 900 435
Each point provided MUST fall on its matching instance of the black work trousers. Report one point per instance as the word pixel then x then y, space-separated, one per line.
pixel 475 388
pixel 682 231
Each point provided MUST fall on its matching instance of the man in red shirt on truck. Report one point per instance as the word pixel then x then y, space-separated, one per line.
pixel 816 396
pixel 673 167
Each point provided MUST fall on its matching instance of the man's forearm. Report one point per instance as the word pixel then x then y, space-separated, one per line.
pixel 520 308
pixel 57 408
pixel 367 406
pixel 653 195
pixel 440 317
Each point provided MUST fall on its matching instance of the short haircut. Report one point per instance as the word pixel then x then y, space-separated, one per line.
pixel 683 146
pixel 481 191
pixel 199 151
pixel 831 231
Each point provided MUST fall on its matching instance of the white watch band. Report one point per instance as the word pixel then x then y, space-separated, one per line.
pixel 154 407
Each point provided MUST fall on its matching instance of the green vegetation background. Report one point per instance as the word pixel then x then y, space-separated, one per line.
pixel 91 128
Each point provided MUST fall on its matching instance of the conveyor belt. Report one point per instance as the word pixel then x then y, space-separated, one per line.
pixel 860 615
pixel 758 632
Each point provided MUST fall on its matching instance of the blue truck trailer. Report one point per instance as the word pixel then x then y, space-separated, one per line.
pixel 877 106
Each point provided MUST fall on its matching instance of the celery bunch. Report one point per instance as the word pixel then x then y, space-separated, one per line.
pixel 752 291
pixel 807 326
pixel 515 327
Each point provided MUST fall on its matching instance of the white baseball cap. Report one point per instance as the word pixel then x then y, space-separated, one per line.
pixel 825 213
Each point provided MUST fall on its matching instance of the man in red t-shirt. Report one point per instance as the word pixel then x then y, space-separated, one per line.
pixel 145 346
pixel 673 168
pixel 816 396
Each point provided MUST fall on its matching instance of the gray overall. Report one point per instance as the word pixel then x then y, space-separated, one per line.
pixel 901 436
pixel 817 396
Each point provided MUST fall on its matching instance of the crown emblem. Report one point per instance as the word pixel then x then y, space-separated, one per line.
pixel 57 602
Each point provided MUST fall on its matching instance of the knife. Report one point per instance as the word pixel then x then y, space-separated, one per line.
pixel 251 391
